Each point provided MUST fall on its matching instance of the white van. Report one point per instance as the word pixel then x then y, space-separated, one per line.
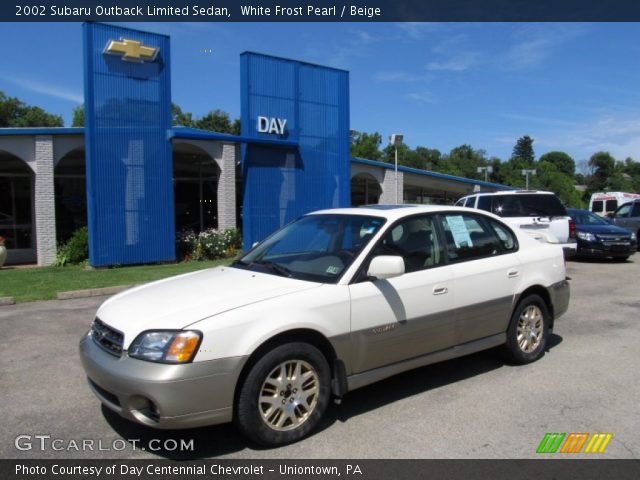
pixel 602 203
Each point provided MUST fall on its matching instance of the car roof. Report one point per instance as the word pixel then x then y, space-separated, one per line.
pixel 511 192
pixel 393 212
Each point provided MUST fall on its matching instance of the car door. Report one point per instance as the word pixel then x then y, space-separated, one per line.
pixel 622 214
pixel 409 315
pixel 486 270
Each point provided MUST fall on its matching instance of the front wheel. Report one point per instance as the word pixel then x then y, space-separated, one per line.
pixel 284 396
pixel 528 330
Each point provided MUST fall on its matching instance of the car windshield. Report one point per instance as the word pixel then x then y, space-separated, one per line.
pixel 315 247
pixel 587 218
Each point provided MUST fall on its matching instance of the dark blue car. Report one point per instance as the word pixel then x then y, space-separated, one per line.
pixel 599 238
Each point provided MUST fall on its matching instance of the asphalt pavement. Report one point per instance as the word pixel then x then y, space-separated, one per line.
pixel 472 407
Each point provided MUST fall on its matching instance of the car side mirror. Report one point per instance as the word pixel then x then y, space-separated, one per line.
pixel 610 215
pixel 386 266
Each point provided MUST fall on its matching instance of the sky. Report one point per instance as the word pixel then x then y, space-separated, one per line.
pixel 571 87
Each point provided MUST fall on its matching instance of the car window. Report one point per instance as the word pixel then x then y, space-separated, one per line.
pixel 624 210
pixel 528 205
pixel 596 206
pixel 611 205
pixel 484 203
pixel 468 237
pixel 636 210
pixel 460 203
pixel 506 236
pixel 416 241
pixel 470 201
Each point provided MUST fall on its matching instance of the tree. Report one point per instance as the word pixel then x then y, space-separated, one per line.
pixel 523 149
pixel 561 160
pixel 217 121
pixel 78 116
pixel 366 145
pixel 603 165
pixel 179 118
pixel 550 177
pixel 464 161
pixel 15 113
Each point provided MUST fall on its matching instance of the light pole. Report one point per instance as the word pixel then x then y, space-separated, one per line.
pixel 396 140
pixel 487 170
pixel 526 173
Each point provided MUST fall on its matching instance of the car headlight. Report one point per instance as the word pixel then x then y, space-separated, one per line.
pixel 586 236
pixel 169 346
pixel 633 236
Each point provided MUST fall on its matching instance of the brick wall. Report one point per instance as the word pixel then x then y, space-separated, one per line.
pixel 45 221
pixel 227 186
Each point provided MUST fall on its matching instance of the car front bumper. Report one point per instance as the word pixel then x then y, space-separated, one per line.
pixel 162 395
pixel 603 250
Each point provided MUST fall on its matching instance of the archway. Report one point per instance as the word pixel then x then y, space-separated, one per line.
pixel 365 190
pixel 195 186
pixel 17 208
pixel 70 186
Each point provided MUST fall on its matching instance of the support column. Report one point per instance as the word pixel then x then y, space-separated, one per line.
pixel 45 208
pixel 388 196
pixel 227 187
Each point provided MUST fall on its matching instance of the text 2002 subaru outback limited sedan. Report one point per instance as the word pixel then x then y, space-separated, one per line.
pixel 332 302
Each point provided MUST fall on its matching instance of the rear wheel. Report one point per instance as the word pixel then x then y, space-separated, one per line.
pixel 284 396
pixel 528 330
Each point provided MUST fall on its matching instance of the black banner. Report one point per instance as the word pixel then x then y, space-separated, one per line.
pixel 322 469
pixel 320 10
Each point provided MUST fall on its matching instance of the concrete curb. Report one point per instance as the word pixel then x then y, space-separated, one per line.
pixel 7 301
pixel 92 292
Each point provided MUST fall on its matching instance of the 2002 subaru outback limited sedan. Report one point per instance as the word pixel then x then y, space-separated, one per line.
pixel 333 301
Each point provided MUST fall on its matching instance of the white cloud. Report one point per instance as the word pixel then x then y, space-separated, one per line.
pixel 534 44
pixel 46 89
pixel 396 76
pixel 457 63
pixel 421 96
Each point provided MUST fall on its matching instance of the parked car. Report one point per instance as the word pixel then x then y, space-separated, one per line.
pixel 599 238
pixel 539 213
pixel 628 216
pixel 333 301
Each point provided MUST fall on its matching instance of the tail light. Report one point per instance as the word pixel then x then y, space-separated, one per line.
pixel 572 228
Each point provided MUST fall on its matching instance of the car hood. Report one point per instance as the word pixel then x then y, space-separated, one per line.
pixel 176 302
pixel 603 229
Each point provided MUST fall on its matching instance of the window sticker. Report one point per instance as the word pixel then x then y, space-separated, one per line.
pixel 459 231
pixel 333 270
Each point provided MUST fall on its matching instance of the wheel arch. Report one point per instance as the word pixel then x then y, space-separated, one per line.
pixel 541 292
pixel 303 335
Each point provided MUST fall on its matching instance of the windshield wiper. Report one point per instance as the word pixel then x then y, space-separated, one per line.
pixel 276 267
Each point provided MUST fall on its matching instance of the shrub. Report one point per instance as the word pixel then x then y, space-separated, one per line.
pixel 75 251
pixel 208 244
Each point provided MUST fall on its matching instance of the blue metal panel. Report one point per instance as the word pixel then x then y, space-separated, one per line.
pixel 282 184
pixel 130 204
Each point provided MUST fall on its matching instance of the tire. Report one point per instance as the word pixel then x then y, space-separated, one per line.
pixel 531 316
pixel 295 381
pixel 621 259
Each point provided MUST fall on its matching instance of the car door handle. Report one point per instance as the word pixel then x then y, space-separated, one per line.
pixel 513 273
pixel 440 290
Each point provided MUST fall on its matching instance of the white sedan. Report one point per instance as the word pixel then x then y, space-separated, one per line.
pixel 331 302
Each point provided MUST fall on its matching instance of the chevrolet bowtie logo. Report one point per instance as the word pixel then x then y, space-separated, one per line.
pixel 131 50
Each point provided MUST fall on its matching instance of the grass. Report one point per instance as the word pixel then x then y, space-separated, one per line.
pixel 31 284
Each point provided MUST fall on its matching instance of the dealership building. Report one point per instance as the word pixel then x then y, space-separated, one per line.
pixel 135 180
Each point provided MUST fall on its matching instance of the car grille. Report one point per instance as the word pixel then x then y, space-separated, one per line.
pixel 109 339
pixel 608 237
